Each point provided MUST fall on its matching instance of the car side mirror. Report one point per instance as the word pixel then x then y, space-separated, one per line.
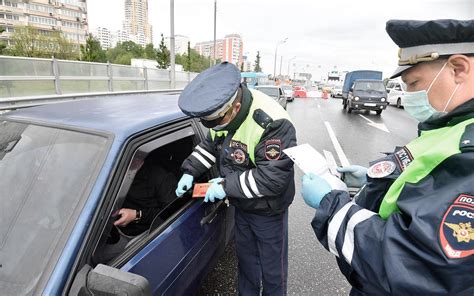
pixel 388 91
pixel 106 280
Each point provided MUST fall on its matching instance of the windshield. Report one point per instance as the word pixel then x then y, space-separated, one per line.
pixel 45 174
pixel 370 86
pixel 286 87
pixel 270 91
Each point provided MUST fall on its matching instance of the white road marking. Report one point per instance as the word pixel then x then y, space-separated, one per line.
pixel 380 126
pixel 319 106
pixel 340 153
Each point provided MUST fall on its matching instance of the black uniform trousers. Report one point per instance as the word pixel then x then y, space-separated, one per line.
pixel 262 251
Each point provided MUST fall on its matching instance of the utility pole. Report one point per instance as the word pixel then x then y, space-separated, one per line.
pixel 215 20
pixel 172 56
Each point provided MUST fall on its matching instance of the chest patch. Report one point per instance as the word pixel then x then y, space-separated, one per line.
pixel 273 149
pixel 239 156
pixel 238 145
pixel 456 232
pixel 381 169
pixel 403 157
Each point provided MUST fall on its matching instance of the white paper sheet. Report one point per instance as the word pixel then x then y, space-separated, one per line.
pixel 307 159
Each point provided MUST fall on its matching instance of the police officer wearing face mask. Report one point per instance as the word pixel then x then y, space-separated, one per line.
pixel 248 131
pixel 410 230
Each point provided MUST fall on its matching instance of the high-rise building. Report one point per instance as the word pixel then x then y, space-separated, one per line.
pixel 67 16
pixel 136 22
pixel 118 37
pixel 229 49
pixel 104 36
pixel 180 44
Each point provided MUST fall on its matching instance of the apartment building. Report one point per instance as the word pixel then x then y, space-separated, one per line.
pixel 229 49
pixel 136 23
pixel 67 16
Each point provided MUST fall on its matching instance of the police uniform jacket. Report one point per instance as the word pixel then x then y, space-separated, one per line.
pixel 424 245
pixel 259 177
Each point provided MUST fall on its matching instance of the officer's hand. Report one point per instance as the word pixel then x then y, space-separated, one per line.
pixel 354 175
pixel 313 189
pixel 184 184
pixel 215 191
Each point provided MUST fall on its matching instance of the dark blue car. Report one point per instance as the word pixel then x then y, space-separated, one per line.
pixel 66 168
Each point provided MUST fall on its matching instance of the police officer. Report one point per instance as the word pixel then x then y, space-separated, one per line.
pixel 410 231
pixel 248 131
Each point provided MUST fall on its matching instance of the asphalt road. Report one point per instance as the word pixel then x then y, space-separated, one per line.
pixel 363 137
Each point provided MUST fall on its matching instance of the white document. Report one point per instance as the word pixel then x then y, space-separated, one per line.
pixel 309 160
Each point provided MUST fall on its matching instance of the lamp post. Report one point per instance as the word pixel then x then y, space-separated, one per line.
pixel 276 49
pixel 289 62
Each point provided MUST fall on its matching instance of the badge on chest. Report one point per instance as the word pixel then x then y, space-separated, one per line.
pixel 238 152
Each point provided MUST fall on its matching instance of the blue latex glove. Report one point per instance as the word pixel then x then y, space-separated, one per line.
pixel 313 189
pixel 215 191
pixel 354 175
pixel 184 184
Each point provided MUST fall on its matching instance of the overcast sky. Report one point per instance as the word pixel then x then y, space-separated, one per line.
pixel 322 35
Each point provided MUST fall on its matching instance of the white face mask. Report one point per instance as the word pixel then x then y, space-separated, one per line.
pixel 222 126
pixel 417 103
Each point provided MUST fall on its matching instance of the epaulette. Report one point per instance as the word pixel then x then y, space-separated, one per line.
pixel 262 118
pixel 466 144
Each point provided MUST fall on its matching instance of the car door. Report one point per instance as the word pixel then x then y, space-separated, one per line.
pixel 187 236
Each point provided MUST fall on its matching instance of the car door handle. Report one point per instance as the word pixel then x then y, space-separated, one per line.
pixel 210 217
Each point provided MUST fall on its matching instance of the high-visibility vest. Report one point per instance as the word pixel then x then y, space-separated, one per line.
pixel 430 149
pixel 250 132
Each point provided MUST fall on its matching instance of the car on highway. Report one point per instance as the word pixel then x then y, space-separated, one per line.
pixel 299 92
pixel 366 94
pixel 66 169
pixel 288 90
pixel 336 92
pixel 396 93
pixel 275 92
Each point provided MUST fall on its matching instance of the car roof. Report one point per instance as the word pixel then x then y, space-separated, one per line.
pixel 122 115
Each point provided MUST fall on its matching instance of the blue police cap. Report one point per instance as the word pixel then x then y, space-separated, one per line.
pixel 422 41
pixel 211 93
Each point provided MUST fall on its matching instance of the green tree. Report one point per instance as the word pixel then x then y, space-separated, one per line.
pixel 150 52
pixel 61 48
pixel 3 44
pixel 27 42
pixel 188 58
pixel 92 51
pixel 257 67
pixel 163 55
pixel 124 52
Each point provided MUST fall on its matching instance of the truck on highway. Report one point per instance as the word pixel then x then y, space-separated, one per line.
pixel 364 90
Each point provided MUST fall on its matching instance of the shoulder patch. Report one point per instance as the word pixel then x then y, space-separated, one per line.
pixel 381 169
pixel 273 149
pixel 466 144
pixel 456 232
pixel 262 118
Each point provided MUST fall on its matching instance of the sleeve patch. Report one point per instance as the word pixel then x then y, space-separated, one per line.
pixel 456 234
pixel 273 149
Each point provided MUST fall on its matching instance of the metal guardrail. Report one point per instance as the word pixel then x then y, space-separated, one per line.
pixel 22 77
pixel 24 102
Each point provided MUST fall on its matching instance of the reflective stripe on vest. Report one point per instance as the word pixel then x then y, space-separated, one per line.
pixel 249 132
pixel 428 151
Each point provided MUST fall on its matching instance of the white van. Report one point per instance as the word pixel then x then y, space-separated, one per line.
pixel 396 91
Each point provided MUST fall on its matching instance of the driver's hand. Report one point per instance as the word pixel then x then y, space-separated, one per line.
pixel 126 216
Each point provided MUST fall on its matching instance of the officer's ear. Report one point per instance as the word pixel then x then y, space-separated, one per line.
pixel 237 107
pixel 462 66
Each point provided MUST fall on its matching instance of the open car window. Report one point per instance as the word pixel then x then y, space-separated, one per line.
pixel 149 185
